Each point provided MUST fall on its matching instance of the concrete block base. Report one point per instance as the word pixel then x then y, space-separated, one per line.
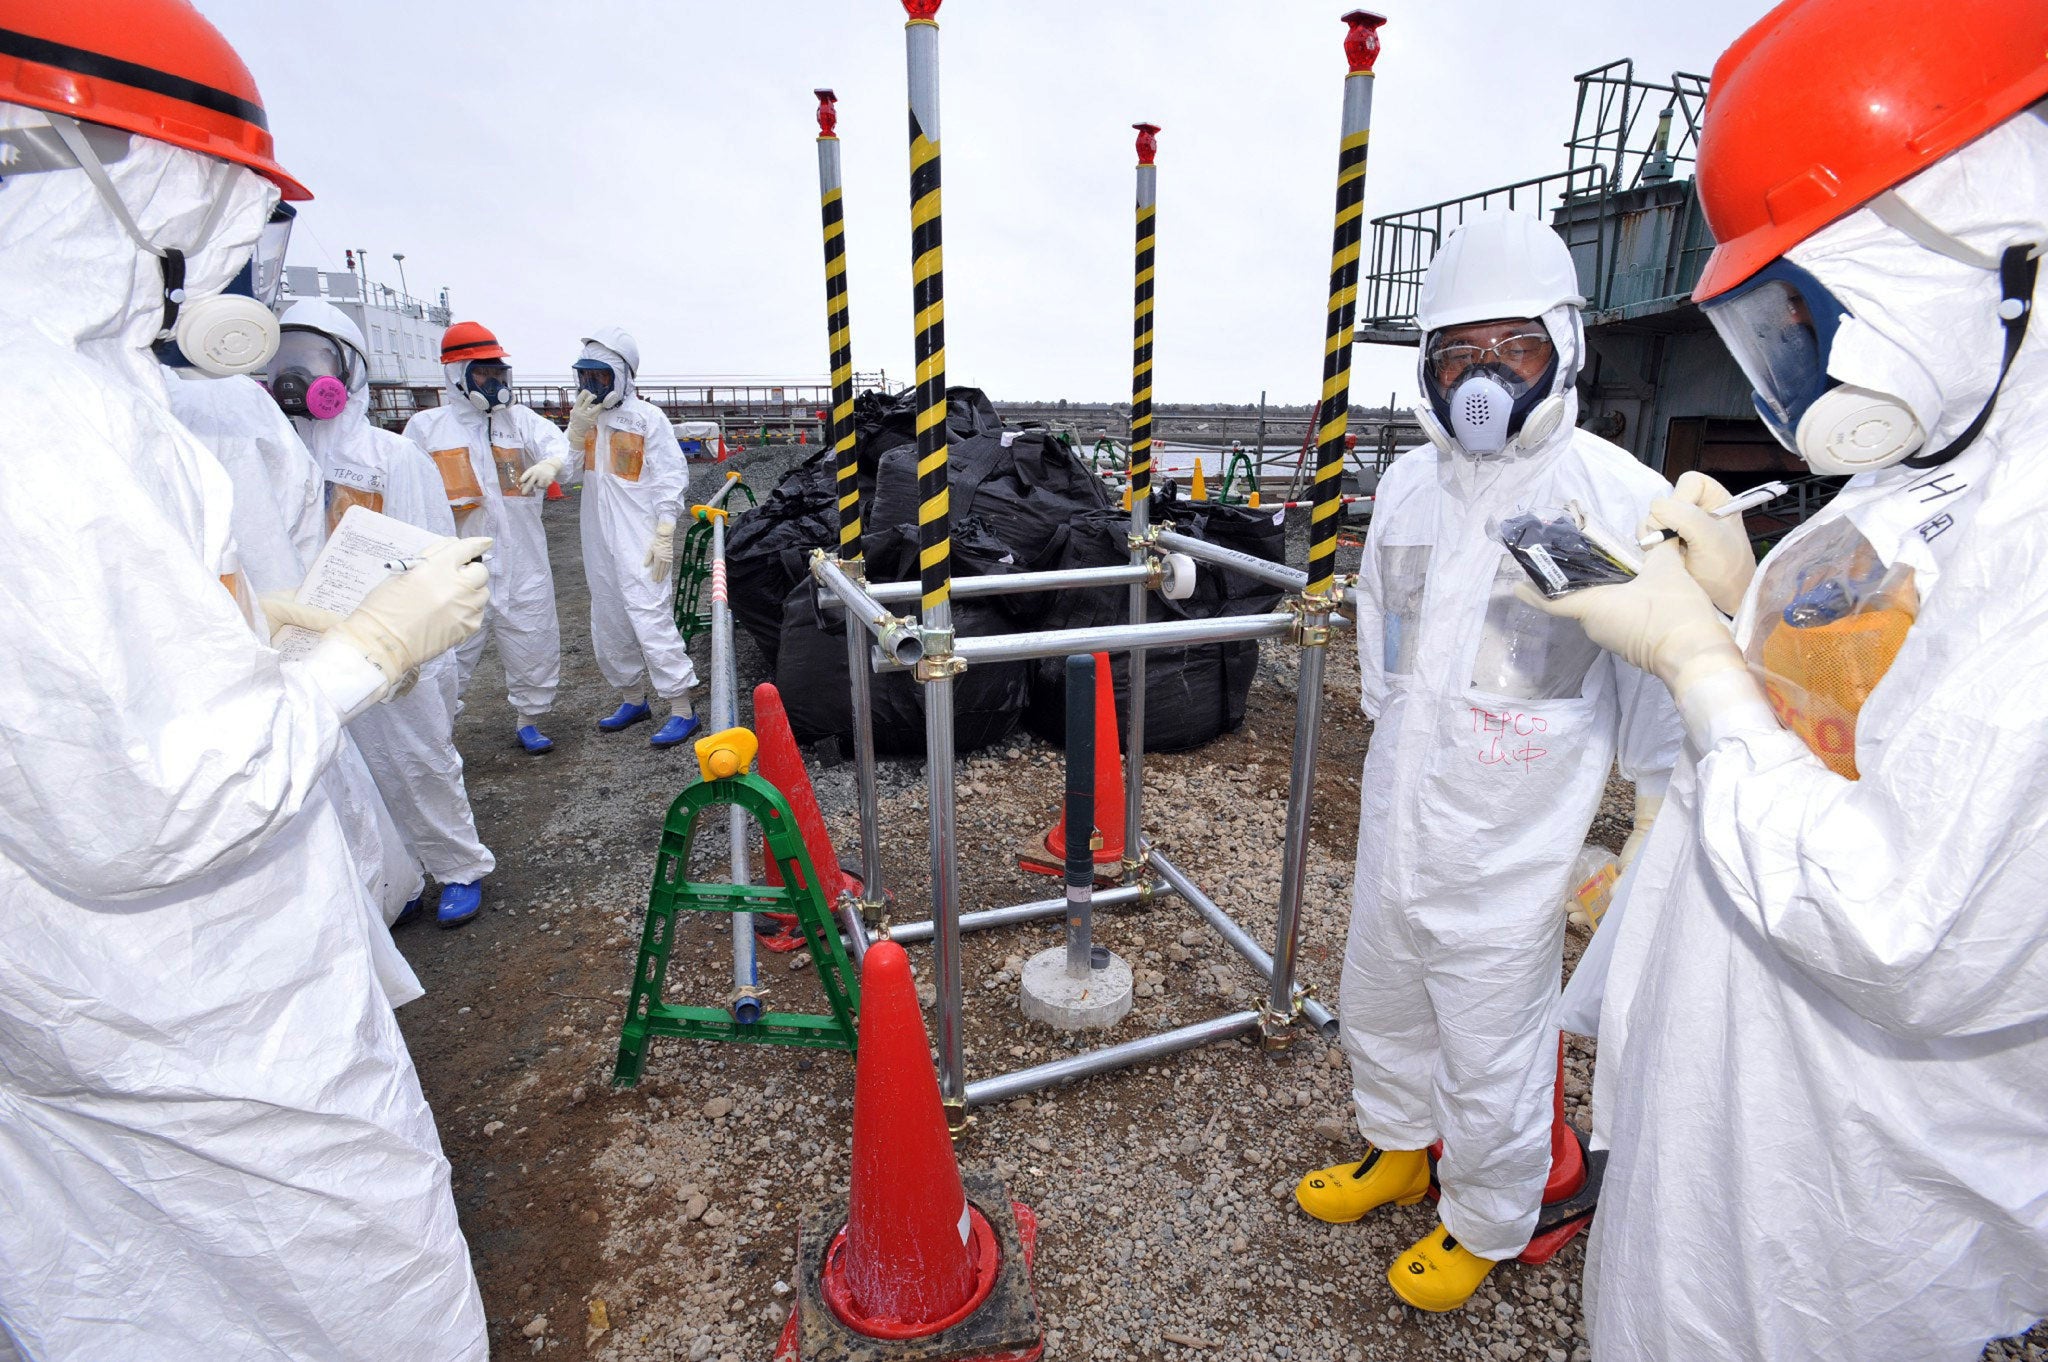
pixel 1093 1004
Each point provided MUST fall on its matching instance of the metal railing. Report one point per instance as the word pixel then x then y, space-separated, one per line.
pixel 1628 136
pixel 1404 243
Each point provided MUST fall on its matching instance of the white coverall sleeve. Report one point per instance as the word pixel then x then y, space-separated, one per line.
pixel 668 468
pixel 151 736
pixel 1370 624
pixel 1914 894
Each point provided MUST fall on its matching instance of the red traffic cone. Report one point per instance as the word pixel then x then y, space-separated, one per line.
pixel 1572 1189
pixel 782 765
pixel 915 1261
pixel 1048 856
pixel 555 492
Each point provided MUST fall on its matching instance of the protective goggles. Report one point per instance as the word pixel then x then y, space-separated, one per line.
pixel 594 376
pixel 1780 325
pixel 1523 353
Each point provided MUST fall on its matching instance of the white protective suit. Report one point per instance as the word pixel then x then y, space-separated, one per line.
pixel 634 476
pixel 1824 1048
pixel 278 530
pixel 1496 728
pixel 493 449
pixel 409 740
pixel 212 1140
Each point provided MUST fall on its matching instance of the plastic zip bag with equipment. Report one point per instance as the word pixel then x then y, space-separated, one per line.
pixel 1565 552
pixel 1830 618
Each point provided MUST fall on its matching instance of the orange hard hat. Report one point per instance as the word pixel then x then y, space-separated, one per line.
pixel 465 341
pixel 153 67
pixel 1825 104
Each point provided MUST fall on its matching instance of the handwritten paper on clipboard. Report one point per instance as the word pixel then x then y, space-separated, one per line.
pixel 352 561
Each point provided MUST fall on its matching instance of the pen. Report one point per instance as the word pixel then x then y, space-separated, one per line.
pixel 1737 505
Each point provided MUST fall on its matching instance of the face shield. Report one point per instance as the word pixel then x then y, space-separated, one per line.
pixel 488 382
pixel 1780 325
pixel 595 377
pixel 263 276
pixel 314 373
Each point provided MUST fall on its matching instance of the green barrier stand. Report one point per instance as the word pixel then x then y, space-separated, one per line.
pixel 647 1016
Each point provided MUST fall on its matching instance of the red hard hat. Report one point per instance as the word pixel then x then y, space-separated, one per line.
pixel 469 340
pixel 153 67
pixel 1824 104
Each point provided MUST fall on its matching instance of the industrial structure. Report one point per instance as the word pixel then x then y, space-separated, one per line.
pixel 1657 381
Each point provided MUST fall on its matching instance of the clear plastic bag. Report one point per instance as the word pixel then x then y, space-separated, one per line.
pixel 1563 552
pixel 1591 886
pixel 1830 618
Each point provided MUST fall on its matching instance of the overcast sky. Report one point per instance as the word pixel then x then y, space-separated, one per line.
pixel 653 165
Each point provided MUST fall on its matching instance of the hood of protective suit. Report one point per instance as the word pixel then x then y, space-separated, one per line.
pixel 326 437
pixel 68 267
pixel 622 374
pixel 1923 327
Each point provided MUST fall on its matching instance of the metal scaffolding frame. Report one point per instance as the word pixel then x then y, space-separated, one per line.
pixel 880 640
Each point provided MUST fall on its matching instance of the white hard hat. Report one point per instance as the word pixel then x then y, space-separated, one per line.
pixel 1499 264
pixel 620 342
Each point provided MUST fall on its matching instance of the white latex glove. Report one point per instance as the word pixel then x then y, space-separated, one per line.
pixel 414 616
pixel 1646 814
pixel 536 478
pixel 582 419
pixel 282 609
pixel 1663 623
pixel 661 551
pixel 1717 549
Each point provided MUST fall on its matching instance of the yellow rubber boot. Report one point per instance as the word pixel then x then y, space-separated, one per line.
pixel 1438 1273
pixel 1343 1192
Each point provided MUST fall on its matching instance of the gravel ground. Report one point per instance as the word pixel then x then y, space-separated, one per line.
pixel 660 1223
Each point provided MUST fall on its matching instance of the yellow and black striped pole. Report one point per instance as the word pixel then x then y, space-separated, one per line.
pixel 1139 468
pixel 928 300
pixel 838 327
pixel 935 543
pixel 1361 49
pixel 839 330
pixel 1141 321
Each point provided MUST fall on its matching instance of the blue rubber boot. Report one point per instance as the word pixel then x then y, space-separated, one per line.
pixel 534 741
pixel 459 903
pixel 406 914
pixel 625 716
pixel 678 727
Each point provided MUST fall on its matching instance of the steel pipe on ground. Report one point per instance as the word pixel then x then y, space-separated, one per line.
pixel 1003 1087
pixel 1239 939
pixel 907 933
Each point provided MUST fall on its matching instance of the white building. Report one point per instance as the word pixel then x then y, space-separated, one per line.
pixel 404 333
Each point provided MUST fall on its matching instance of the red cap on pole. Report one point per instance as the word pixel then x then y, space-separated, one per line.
pixel 1362 43
pixel 922 9
pixel 828 117
pixel 1148 142
pixel 914 1257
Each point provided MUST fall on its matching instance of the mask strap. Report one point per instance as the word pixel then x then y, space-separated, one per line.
pixel 2017 271
pixel 1895 213
pixel 171 261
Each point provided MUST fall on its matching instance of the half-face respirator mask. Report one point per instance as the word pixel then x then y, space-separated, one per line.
pixel 1486 392
pixel 314 373
pixel 230 332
